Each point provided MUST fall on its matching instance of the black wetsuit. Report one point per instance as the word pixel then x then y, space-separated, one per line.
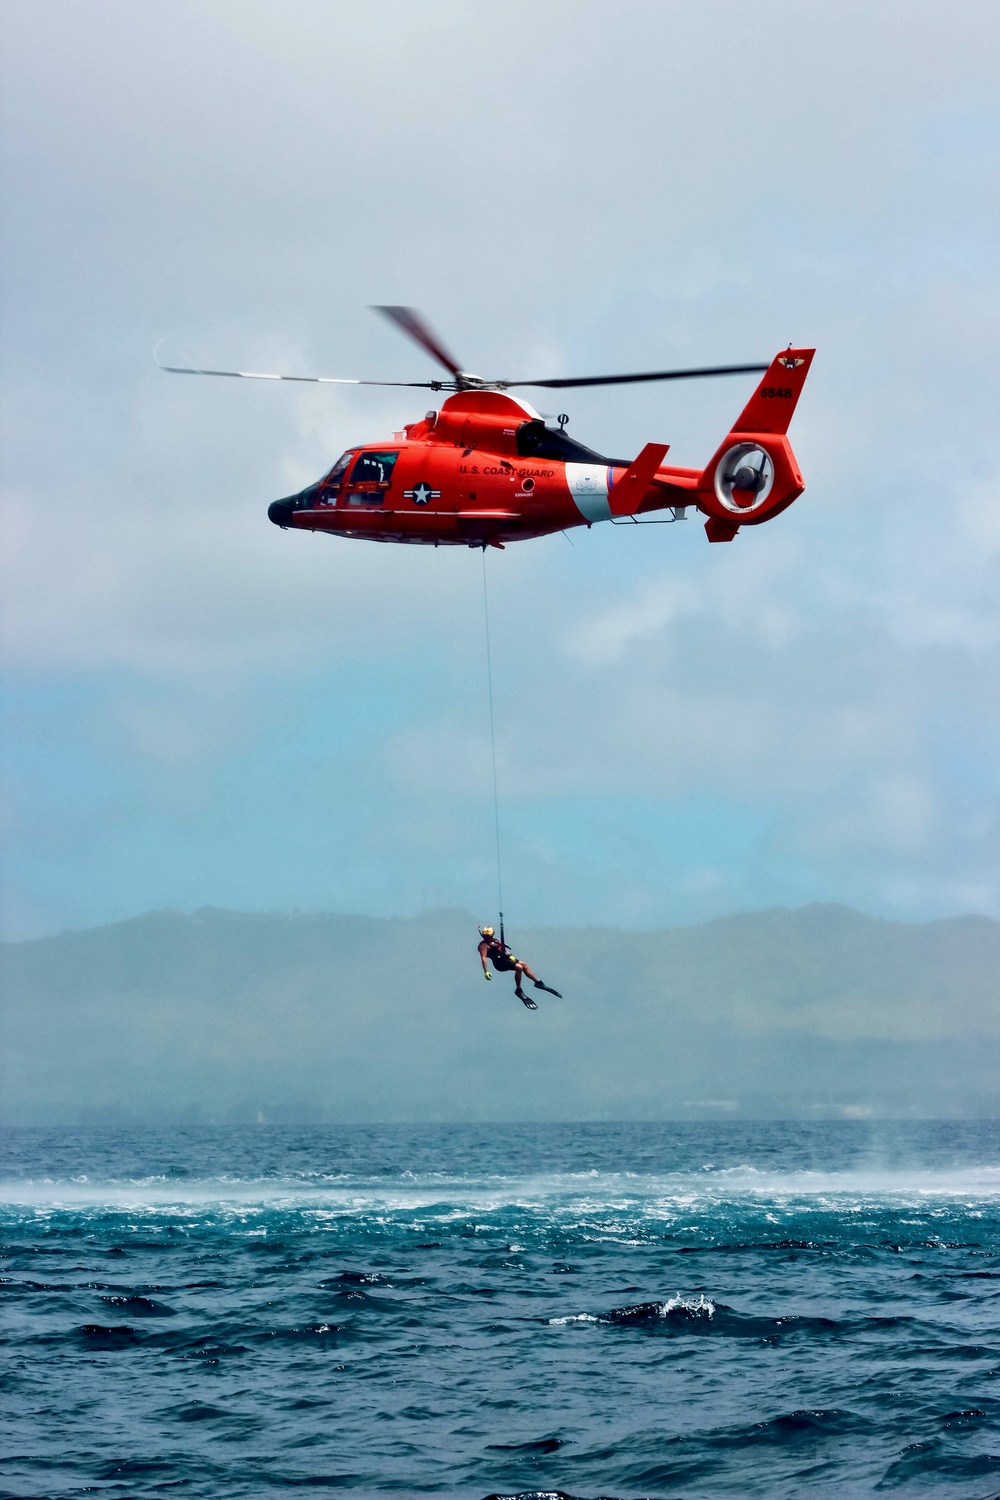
pixel 500 956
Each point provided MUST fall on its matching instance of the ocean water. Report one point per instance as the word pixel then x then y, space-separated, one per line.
pixel 621 1310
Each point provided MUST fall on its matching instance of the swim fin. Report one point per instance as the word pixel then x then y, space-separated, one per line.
pixel 547 988
pixel 526 1000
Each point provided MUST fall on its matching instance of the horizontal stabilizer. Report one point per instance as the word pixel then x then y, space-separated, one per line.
pixel 628 492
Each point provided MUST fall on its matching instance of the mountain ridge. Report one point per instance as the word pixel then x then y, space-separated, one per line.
pixel 219 1014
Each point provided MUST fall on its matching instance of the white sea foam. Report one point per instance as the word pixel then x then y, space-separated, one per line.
pixel 701 1306
pixel 589 1194
pixel 697 1307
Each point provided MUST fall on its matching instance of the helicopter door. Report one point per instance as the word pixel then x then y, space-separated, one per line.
pixel 423 484
pixel 370 478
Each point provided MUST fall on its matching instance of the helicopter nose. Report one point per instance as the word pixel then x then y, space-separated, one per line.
pixel 282 511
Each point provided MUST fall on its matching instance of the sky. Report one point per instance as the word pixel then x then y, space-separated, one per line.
pixel 200 709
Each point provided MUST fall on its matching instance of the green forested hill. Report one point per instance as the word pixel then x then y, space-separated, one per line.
pixel 229 1015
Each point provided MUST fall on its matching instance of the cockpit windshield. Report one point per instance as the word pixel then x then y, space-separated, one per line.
pixel 335 478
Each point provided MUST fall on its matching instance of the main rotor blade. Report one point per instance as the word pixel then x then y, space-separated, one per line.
pixel 424 385
pixel 561 385
pixel 410 321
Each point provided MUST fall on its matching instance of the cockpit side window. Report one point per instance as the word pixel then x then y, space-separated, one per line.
pixel 374 468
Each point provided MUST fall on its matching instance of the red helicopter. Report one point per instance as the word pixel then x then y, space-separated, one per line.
pixel 486 469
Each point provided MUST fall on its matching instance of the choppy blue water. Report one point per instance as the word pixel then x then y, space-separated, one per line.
pixel 627 1310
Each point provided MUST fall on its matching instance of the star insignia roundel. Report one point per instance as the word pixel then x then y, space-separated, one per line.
pixel 421 493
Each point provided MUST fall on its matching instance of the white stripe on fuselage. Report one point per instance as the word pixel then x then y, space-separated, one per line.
pixel 588 484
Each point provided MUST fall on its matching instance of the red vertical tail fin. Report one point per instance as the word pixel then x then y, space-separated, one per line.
pixel 773 403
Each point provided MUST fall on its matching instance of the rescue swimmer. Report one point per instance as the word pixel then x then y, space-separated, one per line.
pixel 493 950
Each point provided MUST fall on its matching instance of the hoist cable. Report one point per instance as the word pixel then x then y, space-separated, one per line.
pixel 493 739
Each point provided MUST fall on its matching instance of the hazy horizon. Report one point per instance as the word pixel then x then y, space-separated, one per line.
pixel 474 919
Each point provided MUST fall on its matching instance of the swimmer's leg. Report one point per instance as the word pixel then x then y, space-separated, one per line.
pixel 539 985
pixel 519 969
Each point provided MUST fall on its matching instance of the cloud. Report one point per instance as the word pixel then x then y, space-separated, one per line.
pixel 814 705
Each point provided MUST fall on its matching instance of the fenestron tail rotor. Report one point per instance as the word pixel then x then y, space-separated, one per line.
pixel 410 322
pixel 744 476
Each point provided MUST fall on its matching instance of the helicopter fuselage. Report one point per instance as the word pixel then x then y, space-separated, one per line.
pixel 486 470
